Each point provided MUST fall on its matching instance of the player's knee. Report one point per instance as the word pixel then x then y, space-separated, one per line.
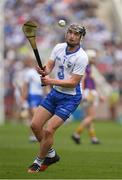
pixel 48 133
pixel 34 126
pixel 87 123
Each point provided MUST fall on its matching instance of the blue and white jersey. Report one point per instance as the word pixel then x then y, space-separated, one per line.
pixel 67 64
pixel 33 79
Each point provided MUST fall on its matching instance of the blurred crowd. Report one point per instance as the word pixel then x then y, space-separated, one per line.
pixel 46 13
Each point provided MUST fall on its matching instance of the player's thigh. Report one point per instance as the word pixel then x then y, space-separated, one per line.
pixel 41 116
pixel 54 123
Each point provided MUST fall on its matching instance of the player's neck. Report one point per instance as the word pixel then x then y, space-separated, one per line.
pixel 72 49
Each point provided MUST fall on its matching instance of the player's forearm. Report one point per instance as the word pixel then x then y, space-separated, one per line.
pixel 64 83
pixel 47 70
pixel 69 83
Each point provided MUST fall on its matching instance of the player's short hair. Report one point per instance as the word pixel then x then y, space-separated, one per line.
pixel 77 28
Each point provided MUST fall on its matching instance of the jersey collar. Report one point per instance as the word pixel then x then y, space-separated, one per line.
pixel 68 53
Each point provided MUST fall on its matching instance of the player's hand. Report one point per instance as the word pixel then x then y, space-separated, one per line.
pixel 46 80
pixel 41 71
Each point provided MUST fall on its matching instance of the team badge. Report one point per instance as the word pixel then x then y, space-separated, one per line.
pixel 69 64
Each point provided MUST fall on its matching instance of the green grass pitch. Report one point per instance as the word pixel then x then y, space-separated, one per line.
pixel 85 161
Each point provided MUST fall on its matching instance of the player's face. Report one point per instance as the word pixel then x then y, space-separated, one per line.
pixel 73 38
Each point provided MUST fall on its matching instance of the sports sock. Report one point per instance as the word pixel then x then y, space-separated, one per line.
pixel 38 161
pixel 92 133
pixel 51 153
pixel 79 130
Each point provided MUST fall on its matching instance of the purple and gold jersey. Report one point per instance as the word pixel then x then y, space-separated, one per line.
pixel 90 93
pixel 89 82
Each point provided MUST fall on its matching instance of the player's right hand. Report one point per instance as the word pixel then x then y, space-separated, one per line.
pixel 41 71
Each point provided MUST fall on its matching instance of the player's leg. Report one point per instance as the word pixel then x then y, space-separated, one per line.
pixel 84 124
pixel 47 142
pixel 76 137
pixel 41 116
pixel 65 106
pixel 34 101
pixel 92 134
pixel 90 127
pixel 45 146
pixel 32 137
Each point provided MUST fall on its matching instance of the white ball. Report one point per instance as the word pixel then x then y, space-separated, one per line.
pixel 62 23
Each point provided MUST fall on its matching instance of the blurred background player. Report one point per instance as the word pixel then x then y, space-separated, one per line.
pixel 32 91
pixel 113 100
pixel 90 102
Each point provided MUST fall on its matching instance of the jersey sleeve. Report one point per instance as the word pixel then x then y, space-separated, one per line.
pixel 80 66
